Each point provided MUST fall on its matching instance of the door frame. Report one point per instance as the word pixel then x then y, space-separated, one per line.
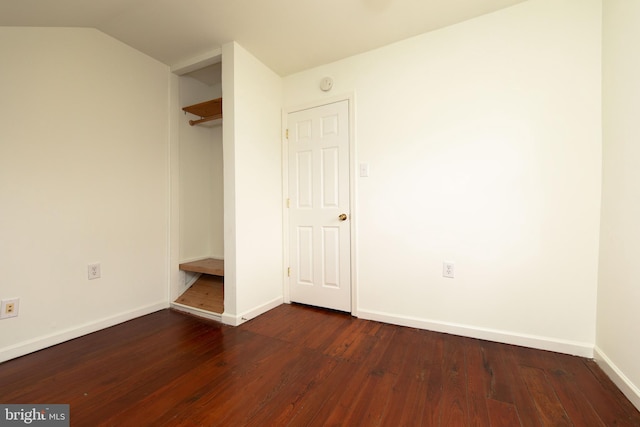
pixel 353 217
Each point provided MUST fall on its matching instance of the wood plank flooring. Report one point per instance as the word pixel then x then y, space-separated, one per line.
pixel 207 293
pixel 302 366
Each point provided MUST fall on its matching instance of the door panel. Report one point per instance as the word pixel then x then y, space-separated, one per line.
pixel 305 255
pixel 319 193
pixel 304 171
pixel 331 248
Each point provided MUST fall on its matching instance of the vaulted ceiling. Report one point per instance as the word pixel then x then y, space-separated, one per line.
pixel 286 35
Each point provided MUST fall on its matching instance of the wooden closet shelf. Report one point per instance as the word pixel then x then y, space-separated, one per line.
pixel 211 266
pixel 207 111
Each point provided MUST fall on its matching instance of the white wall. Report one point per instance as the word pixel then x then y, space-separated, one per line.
pixel 252 185
pixel 201 177
pixel 83 179
pixel 618 292
pixel 484 146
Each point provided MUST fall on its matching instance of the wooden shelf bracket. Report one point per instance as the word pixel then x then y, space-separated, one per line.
pixel 207 111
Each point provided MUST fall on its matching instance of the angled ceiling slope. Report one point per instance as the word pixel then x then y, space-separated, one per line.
pixel 287 35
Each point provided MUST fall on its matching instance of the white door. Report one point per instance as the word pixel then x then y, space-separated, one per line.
pixel 319 215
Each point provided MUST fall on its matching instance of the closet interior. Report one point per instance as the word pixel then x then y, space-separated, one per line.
pixel 201 213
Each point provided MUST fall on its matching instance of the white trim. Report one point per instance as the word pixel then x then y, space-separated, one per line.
pixel 625 385
pixel 285 210
pixel 40 343
pixel 192 278
pixel 230 319
pixel 196 311
pixel 533 341
pixel 353 182
pixel 175 280
pixel 238 319
pixel 197 62
pixel 350 98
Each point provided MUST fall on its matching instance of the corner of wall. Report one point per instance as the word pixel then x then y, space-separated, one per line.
pixel 618 377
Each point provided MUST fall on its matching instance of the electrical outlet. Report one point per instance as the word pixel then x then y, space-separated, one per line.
pixel 9 308
pixel 448 270
pixel 93 271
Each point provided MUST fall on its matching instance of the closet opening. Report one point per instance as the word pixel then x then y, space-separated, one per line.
pixel 200 189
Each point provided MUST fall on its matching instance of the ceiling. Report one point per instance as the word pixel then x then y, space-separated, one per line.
pixel 286 35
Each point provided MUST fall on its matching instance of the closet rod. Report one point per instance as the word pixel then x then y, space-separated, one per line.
pixel 204 119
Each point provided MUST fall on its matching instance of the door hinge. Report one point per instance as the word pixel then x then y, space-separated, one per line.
pixel 288 271
pixel 288 203
pixel 287 134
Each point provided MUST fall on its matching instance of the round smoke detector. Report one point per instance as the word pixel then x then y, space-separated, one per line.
pixel 326 84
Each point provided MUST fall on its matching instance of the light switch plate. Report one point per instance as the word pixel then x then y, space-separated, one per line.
pixel 364 170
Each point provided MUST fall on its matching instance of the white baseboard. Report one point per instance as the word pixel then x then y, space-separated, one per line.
pixel 628 388
pixel 45 341
pixel 196 311
pixel 191 279
pixel 238 319
pixel 532 341
pixel 188 279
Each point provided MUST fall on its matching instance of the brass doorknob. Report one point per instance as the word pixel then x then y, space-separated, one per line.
pixel 342 217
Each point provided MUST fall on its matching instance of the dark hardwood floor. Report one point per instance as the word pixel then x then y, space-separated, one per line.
pixel 300 366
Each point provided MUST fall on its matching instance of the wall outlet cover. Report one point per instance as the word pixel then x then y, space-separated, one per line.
pixel 448 270
pixel 93 271
pixel 9 308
